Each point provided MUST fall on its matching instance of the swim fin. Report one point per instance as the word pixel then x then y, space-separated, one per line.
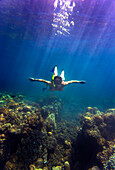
pixel 62 75
pixel 54 70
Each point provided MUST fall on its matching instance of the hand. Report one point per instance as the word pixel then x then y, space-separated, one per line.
pixel 31 79
pixel 82 82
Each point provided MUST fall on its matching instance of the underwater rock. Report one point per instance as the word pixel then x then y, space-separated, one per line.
pixel 20 97
pixel 39 163
pixel 32 136
pixel 86 148
pixel 109 119
pixel 87 123
pixel 67 144
pixel 2 118
pixel 57 168
pixel 6 96
pixel 96 111
pixel 29 141
pixel 3 110
pixel 93 111
pixel 44 112
pixel 51 117
pixel 52 105
pixel 95 140
pixel 110 163
pixel 108 127
pixel 32 167
pixel 89 109
pixel 2 103
pixel 66 165
pixel 110 110
pixel 51 143
pixel 13 105
pixel 16 125
pixel 50 133
pixel 26 109
pixel 94 168
pixel 50 122
pixel 77 128
pixel 98 120
pixel 45 168
pixel 17 97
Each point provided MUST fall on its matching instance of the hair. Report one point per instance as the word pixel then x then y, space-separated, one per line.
pixel 57 80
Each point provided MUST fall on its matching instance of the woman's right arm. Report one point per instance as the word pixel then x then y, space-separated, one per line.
pixel 40 80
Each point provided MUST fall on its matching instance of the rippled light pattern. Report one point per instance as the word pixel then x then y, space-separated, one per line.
pixel 62 20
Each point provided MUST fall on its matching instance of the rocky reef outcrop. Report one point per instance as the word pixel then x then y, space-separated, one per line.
pixel 95 143
pixel 30 136
pixel 34 137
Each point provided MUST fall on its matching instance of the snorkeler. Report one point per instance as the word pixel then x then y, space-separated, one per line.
pixel 57 83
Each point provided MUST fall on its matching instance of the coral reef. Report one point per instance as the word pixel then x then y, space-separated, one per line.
pixel 95 144
pixel 29 135
pixel 52 105
pixel 34 137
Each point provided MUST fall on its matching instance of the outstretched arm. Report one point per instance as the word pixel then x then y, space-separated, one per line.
pixel 40 80
pixel 74 81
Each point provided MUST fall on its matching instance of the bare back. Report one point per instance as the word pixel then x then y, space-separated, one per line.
pixel 58 87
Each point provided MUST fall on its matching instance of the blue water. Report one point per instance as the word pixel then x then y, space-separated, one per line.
pixel 33 39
